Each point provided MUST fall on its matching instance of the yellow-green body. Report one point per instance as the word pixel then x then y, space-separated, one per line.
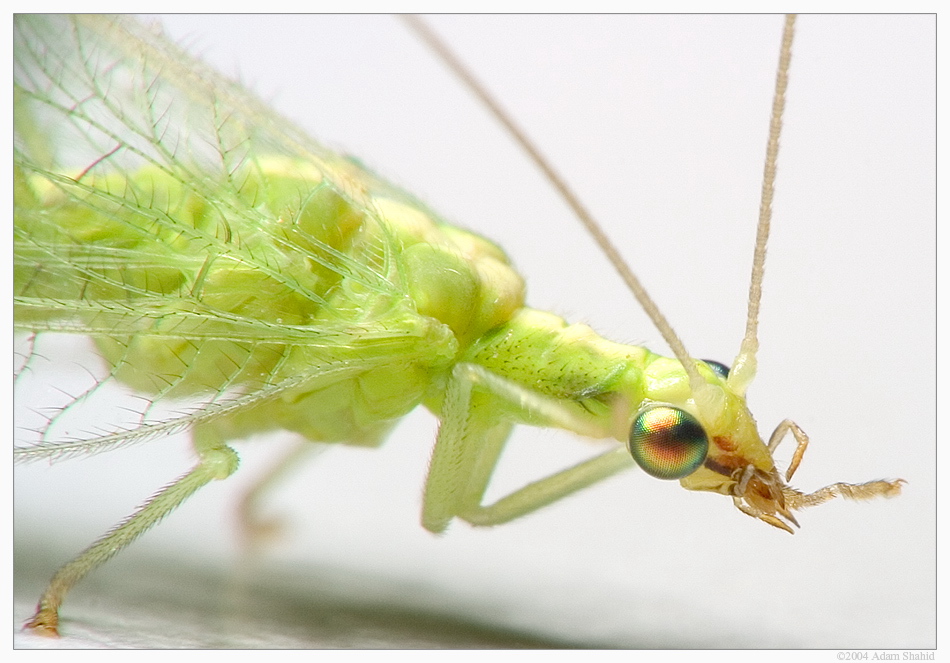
pixel 367 302
pixel 276 276
pixel 390 297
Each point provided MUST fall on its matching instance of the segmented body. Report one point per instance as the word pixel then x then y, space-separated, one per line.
pixel 235 271
pixel 236 266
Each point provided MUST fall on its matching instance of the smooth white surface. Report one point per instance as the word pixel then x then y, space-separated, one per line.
pixel 659 123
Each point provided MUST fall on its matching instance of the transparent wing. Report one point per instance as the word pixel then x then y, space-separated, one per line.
pixel 215 254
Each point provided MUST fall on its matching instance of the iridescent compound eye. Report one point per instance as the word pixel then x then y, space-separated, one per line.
pixel 667 442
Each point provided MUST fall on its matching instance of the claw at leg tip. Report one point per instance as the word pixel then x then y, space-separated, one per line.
pixel 41 625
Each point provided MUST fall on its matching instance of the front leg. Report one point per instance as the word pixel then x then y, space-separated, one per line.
pixel 473 433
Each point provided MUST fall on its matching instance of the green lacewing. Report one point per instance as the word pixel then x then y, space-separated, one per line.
pixel 697 305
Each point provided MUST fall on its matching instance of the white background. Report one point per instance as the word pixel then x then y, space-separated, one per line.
pixel 659 123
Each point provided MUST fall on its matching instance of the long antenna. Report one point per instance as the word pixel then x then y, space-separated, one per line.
pixel 745 365
pixel 441 49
